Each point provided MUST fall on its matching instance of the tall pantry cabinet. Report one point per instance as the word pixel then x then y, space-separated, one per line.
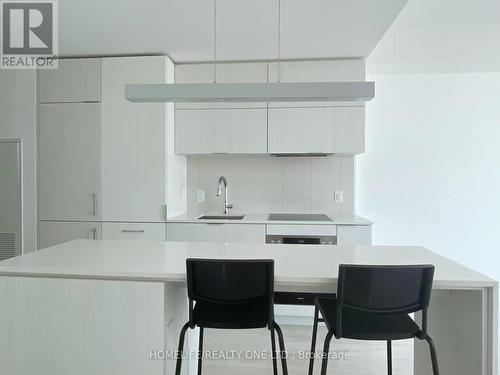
pixel 106 167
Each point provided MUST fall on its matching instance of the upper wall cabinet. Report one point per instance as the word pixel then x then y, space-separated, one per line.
pixel 226 73
pixel 228 131
pixel 210 128
pixel 317 71
pixel 326 130
pixel 75 81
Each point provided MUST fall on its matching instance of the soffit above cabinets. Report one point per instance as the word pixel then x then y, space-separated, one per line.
pixel 246 29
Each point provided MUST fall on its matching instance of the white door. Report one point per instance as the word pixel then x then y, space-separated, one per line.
pixel 52 233
pixel 75 80
pixel 210 131
pixel 133 142
pixel 69 161
pixel 209 128
pixel 326 130
pixel 10 199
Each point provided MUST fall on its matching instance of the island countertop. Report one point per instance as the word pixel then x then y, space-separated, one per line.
pixel 306 265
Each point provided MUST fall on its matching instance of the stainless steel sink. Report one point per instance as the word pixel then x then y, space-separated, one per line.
pixel 221 217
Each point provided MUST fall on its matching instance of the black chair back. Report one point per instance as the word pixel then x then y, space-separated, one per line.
pixel 231 281
pixel 384 290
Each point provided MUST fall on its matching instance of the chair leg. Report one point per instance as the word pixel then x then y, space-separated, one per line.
pixel 389 357
pixel 313 340
pixel 434 360
pixel 281 341
pixel 326 348
pixel 273 352
pixel 180 349
pixel 200 351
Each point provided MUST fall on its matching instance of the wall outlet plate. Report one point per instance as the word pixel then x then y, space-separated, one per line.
pixel 200 196
pixel 339 196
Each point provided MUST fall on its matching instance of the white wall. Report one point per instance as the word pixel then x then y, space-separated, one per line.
pixel 18 120
pixel 431 171
pixel 271 184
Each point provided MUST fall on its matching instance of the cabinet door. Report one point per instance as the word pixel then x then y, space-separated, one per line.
pixel 226 73
pixel 69 161
pixel 316 130
pixel 75 80
pixel 216 232
pixel 354 235
pixel 193 232
pixel 238 131
pixel 133 231
pixel 55 232
pixel 346 70
pixel 133 142
pixel 249 233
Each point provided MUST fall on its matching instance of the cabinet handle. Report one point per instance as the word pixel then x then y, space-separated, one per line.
pixel 133 230
pixel 94 233
pixel 94 204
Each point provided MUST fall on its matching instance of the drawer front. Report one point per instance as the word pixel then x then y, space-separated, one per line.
pixel 301 230
pixel 133 231
pixel 216 232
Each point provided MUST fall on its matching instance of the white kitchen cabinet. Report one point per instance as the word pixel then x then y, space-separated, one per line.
pixel 226 73
pixel 354 235
pixel 137 144
pixel 56 232
pixel 69 171
pixel 75 80
pixel 133 231
pixel 326 130
pixel 209 131
pixel 208 128
pixel 344 70
pixel 216 232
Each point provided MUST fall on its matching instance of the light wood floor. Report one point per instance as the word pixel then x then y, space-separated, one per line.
pixel 366 357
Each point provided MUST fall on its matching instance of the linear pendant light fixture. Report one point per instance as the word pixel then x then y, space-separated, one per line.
pixel 250 92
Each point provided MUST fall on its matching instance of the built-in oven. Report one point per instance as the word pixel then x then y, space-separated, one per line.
pixel 302 234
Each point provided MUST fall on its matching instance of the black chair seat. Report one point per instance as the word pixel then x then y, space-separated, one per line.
pixel 366 326
pixel 231 316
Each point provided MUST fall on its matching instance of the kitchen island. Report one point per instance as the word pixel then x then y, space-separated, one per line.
pixel 102 307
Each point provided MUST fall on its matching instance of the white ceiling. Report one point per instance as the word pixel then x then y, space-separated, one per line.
pixel 246 29
pixel 441 36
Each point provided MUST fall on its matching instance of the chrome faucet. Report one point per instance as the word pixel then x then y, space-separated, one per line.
pixel 223 181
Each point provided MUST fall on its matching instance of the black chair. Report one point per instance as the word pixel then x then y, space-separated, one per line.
pixel 373 303
pixel 231 294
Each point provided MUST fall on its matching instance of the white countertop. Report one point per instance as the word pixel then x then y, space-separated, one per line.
pixel 262 218
pixel 306 265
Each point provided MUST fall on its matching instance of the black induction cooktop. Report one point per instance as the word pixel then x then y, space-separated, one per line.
pixel 299 217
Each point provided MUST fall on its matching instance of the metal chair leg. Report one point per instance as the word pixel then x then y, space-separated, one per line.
pixel 326 348
pixel 273 352
pixel 281 341
pixel 434 360
pixel 389 357
pixel 313 340
pixel 200 351
pixel 180 349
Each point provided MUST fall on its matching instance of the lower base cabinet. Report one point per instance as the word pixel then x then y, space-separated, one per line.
pixel 354 235
pixel 55 232
pixel 133 231
pixel 216 232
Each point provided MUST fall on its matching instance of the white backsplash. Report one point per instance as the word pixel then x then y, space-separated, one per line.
pixel 271 184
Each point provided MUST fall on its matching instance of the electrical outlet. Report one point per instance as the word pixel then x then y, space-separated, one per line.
pixel 339 196
pixel 200 196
